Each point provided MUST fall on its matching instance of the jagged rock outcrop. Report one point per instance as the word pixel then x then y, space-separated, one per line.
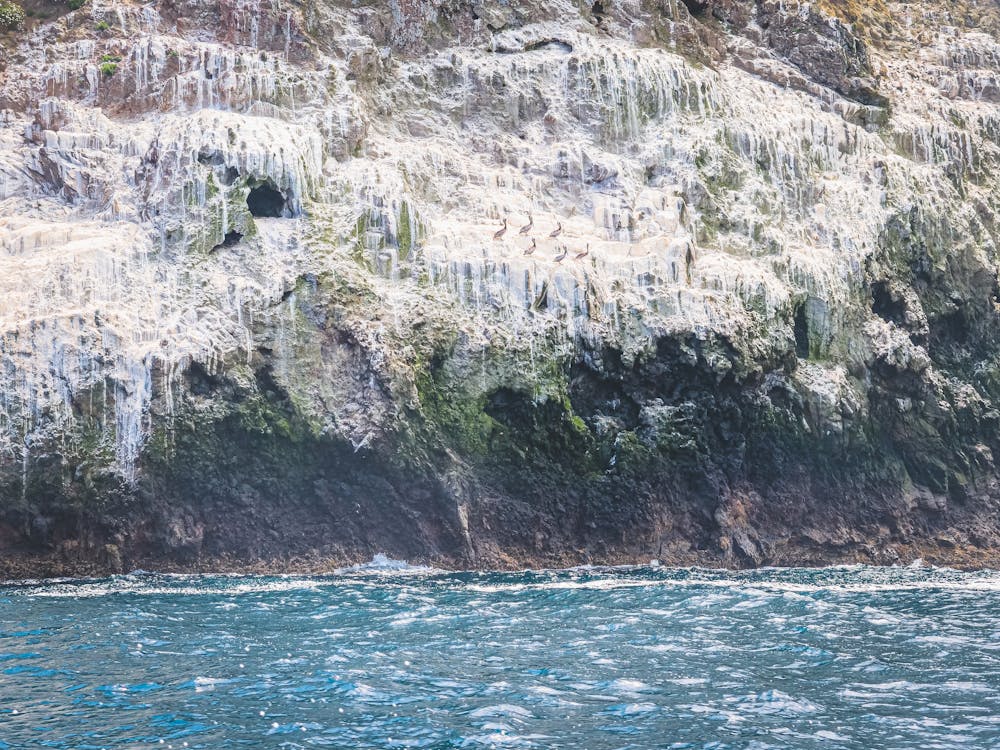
pixel 252 311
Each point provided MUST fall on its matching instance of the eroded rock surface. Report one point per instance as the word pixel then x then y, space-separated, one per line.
pixel 252 312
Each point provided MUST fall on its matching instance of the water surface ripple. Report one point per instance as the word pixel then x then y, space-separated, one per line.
pixel 895 659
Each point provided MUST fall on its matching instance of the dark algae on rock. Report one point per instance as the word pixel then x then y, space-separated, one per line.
pixel 254 316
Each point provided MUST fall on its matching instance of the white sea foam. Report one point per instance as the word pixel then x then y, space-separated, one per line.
pixel 754 587
pixel 382 563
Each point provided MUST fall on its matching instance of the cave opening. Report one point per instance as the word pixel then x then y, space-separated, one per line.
pixel 200 381
pixel 696 8
pixel 211 157
pixel 266 201
pixel 231 239
pixel 886 306
pixel 801 329
pixel 952 328
pixel 556 45
pixel 598 11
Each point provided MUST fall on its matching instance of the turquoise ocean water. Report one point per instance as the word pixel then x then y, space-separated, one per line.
pixel 389 656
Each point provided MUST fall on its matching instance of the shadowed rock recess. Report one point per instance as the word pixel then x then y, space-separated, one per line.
pixel 253 316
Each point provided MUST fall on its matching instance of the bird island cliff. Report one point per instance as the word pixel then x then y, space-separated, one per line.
pixel 288 283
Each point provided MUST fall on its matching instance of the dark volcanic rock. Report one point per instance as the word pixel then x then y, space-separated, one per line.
pixel 266 301
pixel 824 48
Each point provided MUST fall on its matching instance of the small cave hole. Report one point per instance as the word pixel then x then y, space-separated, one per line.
pixel 598 11
pixel 952 329
pixel 201 382
pixel 556 45
pixel 264 201
pixel 541 301
pixel 232 238
pixel 696 8
pixel 231 175
pixel 211 157
pixel 885 305
pixel 506 406
pixel 801 329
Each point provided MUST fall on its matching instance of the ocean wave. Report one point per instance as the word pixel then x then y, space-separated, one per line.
pixel 385 571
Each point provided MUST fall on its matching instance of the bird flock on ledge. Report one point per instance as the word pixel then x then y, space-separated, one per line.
pixel 526 231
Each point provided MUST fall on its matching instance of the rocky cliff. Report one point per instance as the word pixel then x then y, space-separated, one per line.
pixel 253 313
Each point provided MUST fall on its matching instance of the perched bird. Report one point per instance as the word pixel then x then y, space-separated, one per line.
pixel 557 231
pixel 583 254
pixel 527 227
pixel 534 246
pixel 498 235
pixel 561 255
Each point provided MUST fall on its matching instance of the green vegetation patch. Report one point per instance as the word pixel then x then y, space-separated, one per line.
pixel 11 15
pixel 109 64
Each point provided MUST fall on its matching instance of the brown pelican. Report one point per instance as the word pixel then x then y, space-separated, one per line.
pixel 527 227
pixel 557 231
pixel 498 235
pixel 582 255
pixel 534 246
pixel 561 255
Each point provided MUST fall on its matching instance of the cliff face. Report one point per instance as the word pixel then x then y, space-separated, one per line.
pixel 252 311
